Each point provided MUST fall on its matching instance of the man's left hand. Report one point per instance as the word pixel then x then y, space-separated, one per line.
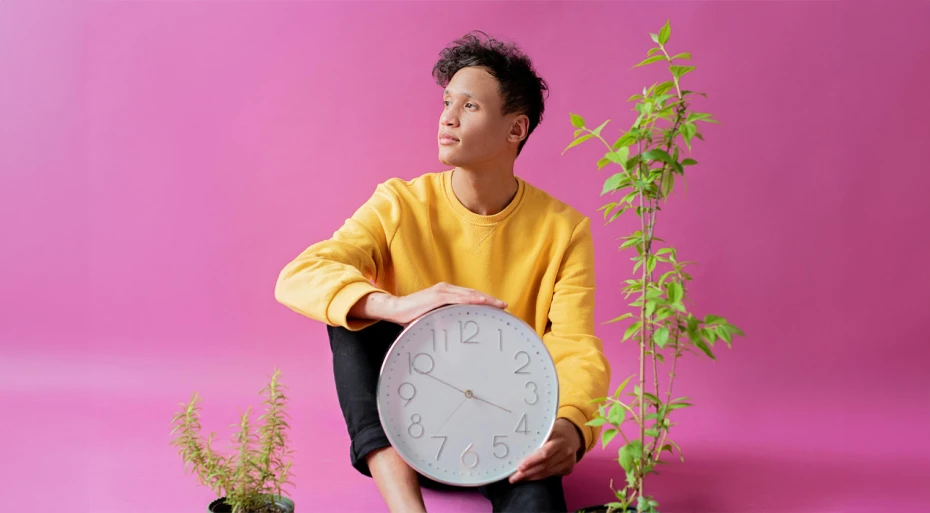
pixel 556 457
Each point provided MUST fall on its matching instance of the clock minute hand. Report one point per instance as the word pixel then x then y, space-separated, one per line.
pixel 492 404
pixel 468 393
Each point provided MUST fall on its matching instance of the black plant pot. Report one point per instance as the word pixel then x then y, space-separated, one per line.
pixel 283 504
pixel 603 509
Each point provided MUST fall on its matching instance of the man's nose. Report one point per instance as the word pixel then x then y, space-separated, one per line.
pixel 448 118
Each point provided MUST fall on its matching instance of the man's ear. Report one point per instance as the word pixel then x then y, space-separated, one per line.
pixel 519 128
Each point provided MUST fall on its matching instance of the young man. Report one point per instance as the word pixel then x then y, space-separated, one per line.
pixel 475 233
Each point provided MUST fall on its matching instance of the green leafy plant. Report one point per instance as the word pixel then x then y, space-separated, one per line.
pixel 251 477
pixel 651 158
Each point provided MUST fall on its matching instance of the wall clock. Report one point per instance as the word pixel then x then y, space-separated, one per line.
pixel 466 392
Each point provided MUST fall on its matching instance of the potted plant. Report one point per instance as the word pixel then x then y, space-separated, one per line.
pixel 250 479
pixel 651 160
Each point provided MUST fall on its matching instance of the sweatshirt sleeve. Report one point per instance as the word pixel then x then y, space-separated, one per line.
pixel 325 280
pixel 583 370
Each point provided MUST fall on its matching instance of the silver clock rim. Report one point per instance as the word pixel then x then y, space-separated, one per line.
pixel 422 318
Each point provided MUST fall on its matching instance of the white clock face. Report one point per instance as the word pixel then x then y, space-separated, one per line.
pixel 466 393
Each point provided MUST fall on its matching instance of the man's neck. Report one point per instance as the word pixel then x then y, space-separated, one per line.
pixel 485 192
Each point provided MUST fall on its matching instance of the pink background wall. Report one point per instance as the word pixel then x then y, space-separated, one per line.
pixel 161 161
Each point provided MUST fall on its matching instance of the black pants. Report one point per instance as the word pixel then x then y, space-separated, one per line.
pixel 357 358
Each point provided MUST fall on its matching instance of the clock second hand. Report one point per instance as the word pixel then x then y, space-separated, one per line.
pixel 468 393
pixel 451 414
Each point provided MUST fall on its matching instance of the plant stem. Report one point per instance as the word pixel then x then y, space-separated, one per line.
pixel 671 380
pixel 643 333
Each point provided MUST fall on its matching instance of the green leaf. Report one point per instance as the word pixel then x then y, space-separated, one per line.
pixel 703 347
pixel 692 326
pixel 650 60
pixel 688 129
pixel 652 432
pixel 674 291
pixel 600 421
pixel 603 162
pixel 624 140
pixel 710 320
pixel 660 336
pixel 622 385
pixel 653 50
pixel 607 436
pixel 683 55
pixel 618 319
pixel 617 213
pixel 577 121
pixel 663 313
pixel 665 32
pixel 664 87
pixel 630 331
pixel 709 334
pixel 668 182
pixel 629 453
pixel 577 141
pixel 680 71
pixel 650 308
pixel 688 162
pixel 630 481
pixel 724 333
pixel 617 415
pixel 619 156
pixel 651 264
pixel 657 155
pixel 629 197
pixel 613 183
pixel 655 37
pixel 597 130
pixel 735 330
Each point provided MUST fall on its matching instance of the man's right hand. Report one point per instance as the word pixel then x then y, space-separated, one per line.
pixel 405 309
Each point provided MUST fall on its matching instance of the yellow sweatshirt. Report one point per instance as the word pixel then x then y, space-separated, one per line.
pixel 537 255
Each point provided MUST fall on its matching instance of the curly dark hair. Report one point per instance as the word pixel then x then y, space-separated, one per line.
pixel 521 88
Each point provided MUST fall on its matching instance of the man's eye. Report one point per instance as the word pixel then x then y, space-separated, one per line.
pixel 469 105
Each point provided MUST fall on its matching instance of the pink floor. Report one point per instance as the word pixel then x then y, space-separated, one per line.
pixel 90 435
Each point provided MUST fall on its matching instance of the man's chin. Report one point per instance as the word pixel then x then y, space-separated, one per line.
pixel 447 159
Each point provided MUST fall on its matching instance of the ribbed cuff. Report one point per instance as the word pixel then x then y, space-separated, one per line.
pixel 578 418
pixel 337 312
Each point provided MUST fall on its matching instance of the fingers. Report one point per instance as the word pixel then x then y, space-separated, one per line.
pixel 551 459
pixel 538 457
pixel 456 294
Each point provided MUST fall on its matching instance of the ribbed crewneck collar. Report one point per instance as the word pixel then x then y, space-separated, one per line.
pixel 479 219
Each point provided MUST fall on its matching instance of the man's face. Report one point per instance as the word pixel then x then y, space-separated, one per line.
pixel 472 130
